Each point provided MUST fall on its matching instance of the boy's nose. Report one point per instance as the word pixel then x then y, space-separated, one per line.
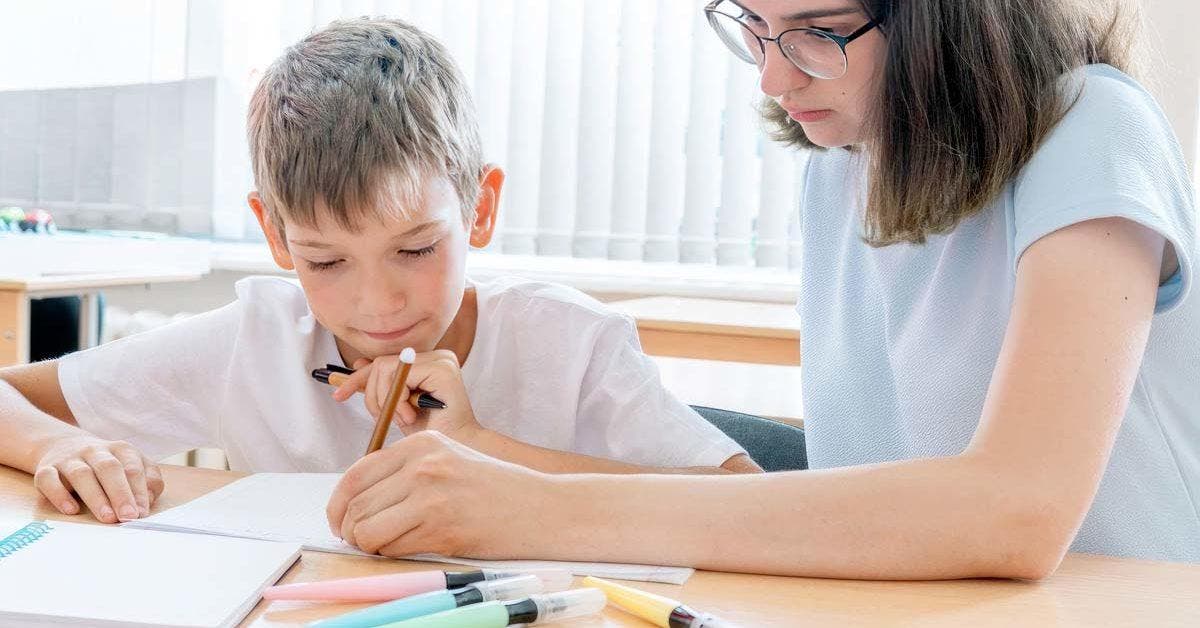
pixel 380 298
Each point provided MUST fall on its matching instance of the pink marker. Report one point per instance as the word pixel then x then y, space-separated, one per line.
pixel 395 586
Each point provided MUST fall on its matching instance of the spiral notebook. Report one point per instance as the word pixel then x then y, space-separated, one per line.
pixel 61 573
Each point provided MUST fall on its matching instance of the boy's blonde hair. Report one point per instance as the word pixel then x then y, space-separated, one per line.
pixel 360 115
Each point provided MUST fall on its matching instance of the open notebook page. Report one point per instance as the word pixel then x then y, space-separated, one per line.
pixel 291 507
pixel 91 575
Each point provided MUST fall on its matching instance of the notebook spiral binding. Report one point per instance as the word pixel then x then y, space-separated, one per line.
pixel 12 543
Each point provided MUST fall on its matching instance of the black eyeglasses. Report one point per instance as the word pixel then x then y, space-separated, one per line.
pixel 818 53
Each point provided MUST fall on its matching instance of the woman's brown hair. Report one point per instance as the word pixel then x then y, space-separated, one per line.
pixel 969 90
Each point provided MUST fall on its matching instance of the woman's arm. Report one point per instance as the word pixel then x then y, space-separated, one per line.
pixel 1007 506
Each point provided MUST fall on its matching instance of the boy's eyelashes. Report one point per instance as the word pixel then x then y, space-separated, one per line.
pixel 421 252
pixel 322 265
pixel 407 253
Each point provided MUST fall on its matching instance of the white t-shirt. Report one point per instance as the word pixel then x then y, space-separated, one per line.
pixel 550 366
pixel 900 342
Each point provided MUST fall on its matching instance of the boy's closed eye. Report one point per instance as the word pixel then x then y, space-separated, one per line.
pixel 319 265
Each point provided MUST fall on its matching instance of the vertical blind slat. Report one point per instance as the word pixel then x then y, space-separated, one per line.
pixel 560 134
pixel 632 152
pixel 668 161
pixel 740 170
pixel 703 191
pixel 597 129
pixel 519 214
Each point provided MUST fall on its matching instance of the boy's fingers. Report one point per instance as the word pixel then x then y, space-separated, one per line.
pixel 48 483
pixel 354 383
pixel 154 481
pixel 380 386
pixel 111 474
pixel 360 363
pixel 435 376
pixel 405 414
pixel 80 477
pixel 135 475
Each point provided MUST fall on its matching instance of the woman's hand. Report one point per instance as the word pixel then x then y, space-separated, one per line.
pixel 429 493
pixel 114 480
pixel 434 372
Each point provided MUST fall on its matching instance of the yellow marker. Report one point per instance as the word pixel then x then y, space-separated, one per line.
pixel 656 609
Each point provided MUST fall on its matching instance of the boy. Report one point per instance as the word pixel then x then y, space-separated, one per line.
pixel 371 186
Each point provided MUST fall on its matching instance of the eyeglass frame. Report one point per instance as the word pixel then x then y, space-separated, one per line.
pixel 710 11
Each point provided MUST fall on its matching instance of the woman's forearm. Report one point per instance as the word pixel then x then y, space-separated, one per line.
pixel 913 520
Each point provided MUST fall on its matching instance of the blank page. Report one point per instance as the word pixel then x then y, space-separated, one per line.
pixel 291 507
pixel 97 575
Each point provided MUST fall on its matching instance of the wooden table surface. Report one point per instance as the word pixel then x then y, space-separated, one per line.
pixel 716 329
pixel 1086 591
pixel 767 390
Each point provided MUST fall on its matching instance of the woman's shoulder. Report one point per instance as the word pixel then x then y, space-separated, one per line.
pixel 1102 97
pixel 1113 126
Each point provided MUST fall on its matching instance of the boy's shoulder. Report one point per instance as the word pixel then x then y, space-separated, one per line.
pixel 271 294
pixel 268 302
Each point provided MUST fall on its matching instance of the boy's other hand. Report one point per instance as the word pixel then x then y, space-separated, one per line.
pixel 434 372
pixel 114 480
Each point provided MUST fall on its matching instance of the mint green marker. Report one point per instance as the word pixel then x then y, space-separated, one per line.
pixel 535 609
pixel 515 588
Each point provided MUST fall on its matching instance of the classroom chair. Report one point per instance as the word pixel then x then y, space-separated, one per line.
pixel 773 445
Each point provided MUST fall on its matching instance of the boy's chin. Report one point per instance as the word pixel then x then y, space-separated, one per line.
pixel 372 349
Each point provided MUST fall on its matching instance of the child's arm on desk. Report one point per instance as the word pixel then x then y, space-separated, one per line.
pixel 112 478
pixel 438 373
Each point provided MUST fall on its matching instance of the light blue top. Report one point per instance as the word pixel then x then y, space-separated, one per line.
pixel 900 341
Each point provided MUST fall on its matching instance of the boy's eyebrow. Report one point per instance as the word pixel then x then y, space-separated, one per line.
pixel 417 230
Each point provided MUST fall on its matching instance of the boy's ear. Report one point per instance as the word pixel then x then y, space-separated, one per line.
pixel 279 249
pixel 488 206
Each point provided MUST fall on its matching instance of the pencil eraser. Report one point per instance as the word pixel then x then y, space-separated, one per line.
pixel 408 356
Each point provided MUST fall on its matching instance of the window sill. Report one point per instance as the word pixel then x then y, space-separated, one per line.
pixel 594 276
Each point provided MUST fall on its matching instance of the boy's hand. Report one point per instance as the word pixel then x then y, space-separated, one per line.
pixel 434 372
pixel 428 493
pixel 114 480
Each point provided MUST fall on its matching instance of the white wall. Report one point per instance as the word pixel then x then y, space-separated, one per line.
pixel 1176 68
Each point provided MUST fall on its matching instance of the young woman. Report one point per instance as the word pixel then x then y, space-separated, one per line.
pixel 1001 354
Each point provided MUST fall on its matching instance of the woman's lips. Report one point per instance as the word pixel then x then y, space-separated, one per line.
pixel 815 115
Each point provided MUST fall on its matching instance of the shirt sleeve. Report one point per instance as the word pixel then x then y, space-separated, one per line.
pixel 625 413
pixel 1114 154
pixel 160 390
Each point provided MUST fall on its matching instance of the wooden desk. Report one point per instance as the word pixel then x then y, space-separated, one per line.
pixel 16 292
pixel 767 390
pixel 1086 591
pixel 711 329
